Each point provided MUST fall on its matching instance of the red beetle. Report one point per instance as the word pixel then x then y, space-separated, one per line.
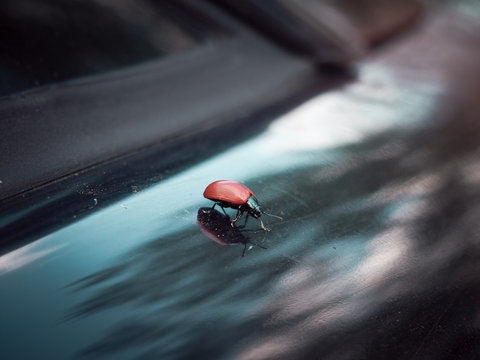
pixel 232 194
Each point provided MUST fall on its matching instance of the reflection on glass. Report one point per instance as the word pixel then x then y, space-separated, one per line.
pixel 218 227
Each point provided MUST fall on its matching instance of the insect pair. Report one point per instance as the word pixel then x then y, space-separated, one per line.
pixel 231 194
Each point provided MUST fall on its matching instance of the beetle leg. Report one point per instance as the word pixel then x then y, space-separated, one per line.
pixel 244 249
pixel 221 208
pixel 245 224
pixel 263 226
pixel 236 217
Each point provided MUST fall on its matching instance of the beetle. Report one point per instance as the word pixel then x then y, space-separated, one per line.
pixel 231 194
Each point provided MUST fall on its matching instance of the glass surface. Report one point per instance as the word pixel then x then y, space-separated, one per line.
pixel 377 256
pixel 370 248
pixel 45 42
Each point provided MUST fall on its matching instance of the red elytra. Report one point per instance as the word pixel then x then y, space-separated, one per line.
pixel 228 191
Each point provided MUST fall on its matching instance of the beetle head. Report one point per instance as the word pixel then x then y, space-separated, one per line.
pixel 256 212
pixel 253 207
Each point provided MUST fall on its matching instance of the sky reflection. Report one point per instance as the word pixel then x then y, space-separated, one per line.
pixel 26 255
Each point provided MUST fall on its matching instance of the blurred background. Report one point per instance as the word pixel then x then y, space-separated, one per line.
pixel 356 121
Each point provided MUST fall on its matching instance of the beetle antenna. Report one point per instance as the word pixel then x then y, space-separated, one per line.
pixel 275 216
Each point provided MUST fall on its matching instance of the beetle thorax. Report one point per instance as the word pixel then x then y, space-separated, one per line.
pixel 252 207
